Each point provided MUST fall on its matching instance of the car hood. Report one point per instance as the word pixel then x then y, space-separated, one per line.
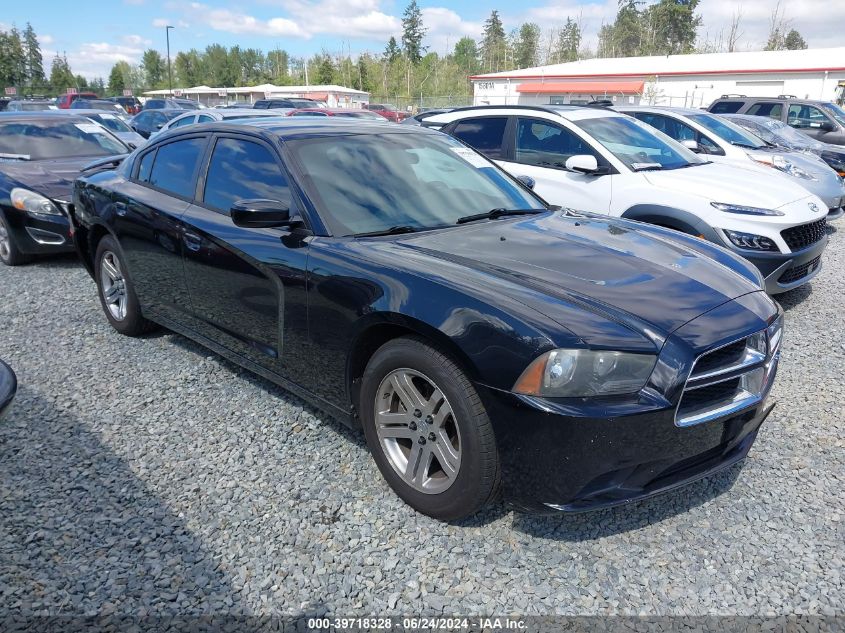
pixel 51 178
pixel 642 279
pixel 729 183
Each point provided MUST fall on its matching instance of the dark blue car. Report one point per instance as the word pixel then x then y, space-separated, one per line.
pixel 401 282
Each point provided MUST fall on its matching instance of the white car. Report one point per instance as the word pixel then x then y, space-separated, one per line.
pixel 212 114
pixel 600 160
pixel 725 142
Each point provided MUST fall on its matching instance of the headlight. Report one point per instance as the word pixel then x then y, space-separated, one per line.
pixel 774 333
pixel 751 241
pixel 782 164
pixel 738 208
pixel 573 373
pixel 27 200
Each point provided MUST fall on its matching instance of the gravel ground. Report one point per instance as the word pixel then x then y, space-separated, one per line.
pixel 153 477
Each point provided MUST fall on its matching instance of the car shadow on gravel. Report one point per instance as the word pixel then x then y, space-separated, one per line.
pixel 793 298
pixel 81 533
pixel 63 260
pixel 598 524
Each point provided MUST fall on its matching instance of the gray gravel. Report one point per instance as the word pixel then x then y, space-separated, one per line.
pixel 152 477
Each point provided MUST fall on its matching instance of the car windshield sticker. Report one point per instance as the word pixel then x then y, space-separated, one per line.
pixel 90 128
pixel 470 156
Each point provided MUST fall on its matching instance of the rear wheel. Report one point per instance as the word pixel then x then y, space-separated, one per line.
pixel 428 430
pixel 117 294
pixel 9 252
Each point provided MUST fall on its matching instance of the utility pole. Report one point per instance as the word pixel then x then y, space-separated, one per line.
pixel 169 74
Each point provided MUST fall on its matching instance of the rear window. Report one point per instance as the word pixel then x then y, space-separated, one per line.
pixel 726 107
pixel 40 140
pixel 174 166
pixel 484 134
pixel 773 110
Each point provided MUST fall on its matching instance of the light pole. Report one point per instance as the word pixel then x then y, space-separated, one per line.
pixel 169 75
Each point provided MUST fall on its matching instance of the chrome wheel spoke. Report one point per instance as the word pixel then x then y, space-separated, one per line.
pixel 394 425
pixel 407 392
pixel 113 286
pixel 446 456
pixel 111 269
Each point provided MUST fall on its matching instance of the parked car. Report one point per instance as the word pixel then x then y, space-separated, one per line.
pixel 112 122
pixel 821 120
pixel 8 387
pixel 40 155
pixel 723 141
pixel 421 117
pixel 398 280
pixel 388 111
pixel 600 160
pixel 148 122
pixel 29 105
pixel 207 116
pixel 4 103
pixel 781 135
pixel 349 113
pixel 99 104
pixel 131 105
pixel 287 103
pixel 63 102
pixel 171 103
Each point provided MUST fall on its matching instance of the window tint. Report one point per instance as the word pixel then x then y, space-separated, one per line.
pixel 806 116
pixel 174 164
pixel 773 110
pixel 186 121
pixel 678 130
pixel 204 118
pixel 485 135
pixel 146 166
pixel 548 145
pixel 241 170
pixel 726 107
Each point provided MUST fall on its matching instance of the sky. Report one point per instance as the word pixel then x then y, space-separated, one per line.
pixel 95 34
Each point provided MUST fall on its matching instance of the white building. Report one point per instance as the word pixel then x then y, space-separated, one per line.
pixel 332 96
pixel 679 80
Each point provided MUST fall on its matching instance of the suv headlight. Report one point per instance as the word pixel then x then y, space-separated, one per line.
pixel 574 373
pixel 782 164
pixel 751 241
pixel 743 210
pixel 32 202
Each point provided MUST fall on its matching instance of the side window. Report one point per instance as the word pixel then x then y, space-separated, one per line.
pixel 185 121
pixel 545 144
pixel 773 110
pixel 485 134
pixel 726 107
pixel 173 169
pixel 146 166
pixel 240 170
pixel 204 118
pixel 806 116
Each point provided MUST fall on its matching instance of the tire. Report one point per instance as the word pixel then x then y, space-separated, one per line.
pixel 409 371
pixel 9 252
pixel 116 292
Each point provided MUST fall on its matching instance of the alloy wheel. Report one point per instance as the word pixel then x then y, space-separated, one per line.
pixel 5 241
pixel 113 285
pixel 418 431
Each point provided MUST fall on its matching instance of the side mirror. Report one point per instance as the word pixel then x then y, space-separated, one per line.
pixel 582 164
pixel 827 126
pixel 260 214
pixel 528 181
pixel 158 126
pixel 692 145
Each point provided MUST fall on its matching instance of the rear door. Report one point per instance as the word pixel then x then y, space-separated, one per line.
pixel 247 285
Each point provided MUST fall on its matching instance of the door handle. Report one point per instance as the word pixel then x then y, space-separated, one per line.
pixel 192 241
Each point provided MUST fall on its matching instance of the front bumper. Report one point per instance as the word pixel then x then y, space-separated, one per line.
pixel 785 271
pixel 553 460
pixel 39 234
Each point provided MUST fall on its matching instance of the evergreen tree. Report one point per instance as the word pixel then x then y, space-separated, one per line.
pixel 278 62
pixel 392 52
pixel 794 41
pixel 494 44
pixel 568 42
pixel 325 71
pixel 61 77
pixel 154 67
pixel 12 59
pixel 34 60
pixel 527 45
pixel 413 33
pixel 117 81
pixel 81 83
pixel 465 55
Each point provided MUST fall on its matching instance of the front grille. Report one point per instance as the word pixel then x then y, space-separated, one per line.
pixel 722 357
pixel 800 237
pixel 799 272
pixel 711 394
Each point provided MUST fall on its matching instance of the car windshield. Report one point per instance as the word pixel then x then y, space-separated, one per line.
pixel 40 140
pixel 778 132
pixel 33 107
pixel 369 183
pixel 638 145
pixel 835 111
pixel 111 121
pixel 726 130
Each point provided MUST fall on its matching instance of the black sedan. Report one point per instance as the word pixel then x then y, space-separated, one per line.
pixel 148 122
pixel 8 387
pixel 40 156
pixel 401 282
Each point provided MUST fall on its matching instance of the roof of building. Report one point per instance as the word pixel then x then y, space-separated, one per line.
pixel 263 88
pixel 817 59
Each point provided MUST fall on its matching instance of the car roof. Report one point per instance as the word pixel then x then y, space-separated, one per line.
pixel 40 115
pixel 658 109
pixel 568 112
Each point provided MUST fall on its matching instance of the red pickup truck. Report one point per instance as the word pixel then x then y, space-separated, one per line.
pixel 64 101
pixel 388 111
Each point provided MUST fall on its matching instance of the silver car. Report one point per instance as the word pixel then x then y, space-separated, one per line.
pixel 113 122
pixel 214 114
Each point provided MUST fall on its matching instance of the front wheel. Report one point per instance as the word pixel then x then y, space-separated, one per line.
pixel 117 294
pixel 428 430
pixel 9 252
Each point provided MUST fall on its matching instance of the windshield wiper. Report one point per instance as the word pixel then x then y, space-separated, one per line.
pixel 745 145
pixel 393 230
pixel 646 166
pixel 492 214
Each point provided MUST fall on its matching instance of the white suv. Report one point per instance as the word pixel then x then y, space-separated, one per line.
pixel 599 160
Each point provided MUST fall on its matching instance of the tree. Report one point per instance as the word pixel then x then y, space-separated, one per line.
pixel 34 60
pixel 527 45
pixel 624 37
pixel 568 42
pixel 80 82
pixel 671 27
pixel 325 70
pixel 392 52
pixel 777 29
pixel 734 33
pixel 154 67
pixel 413 33
pixel 278 62
pixel 794 42
pixel 61 77
pixel 12 59
pixel 361 78
pixel 116 80
pixel 494 44
pixel 465 55
pixel 188 69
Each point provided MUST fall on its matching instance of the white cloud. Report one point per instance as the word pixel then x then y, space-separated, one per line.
pixel 136 40
pixel 46 40
pixel 445 27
